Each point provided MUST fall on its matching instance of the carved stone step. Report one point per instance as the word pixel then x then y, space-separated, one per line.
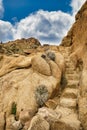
pixel 70 93
pixel 70 68
pixel 70 122
pixel 70 71
pixel 68 102
pixel 64 111
pixel 72 77
pixel 75 82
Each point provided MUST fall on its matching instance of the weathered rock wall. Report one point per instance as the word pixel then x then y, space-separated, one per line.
pixel 26 83
pixel 77 39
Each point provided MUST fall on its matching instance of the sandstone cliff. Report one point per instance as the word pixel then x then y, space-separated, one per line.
pixel 45 87
pixel 77 40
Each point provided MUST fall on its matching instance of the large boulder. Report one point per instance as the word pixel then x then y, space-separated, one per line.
pixel 40 65
pixel 60 61
pixel 27 83
pixel 56 71
pixel 49 114
pixel 10 63
pixel 39 123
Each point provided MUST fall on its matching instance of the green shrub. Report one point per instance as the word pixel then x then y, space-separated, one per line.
pixel 41 95
pixel 14 108
pixel 51 56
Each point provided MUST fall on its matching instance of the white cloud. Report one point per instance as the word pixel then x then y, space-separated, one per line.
pixel 1 9
pixel 76 5
pixel 48 27
pixel 6 31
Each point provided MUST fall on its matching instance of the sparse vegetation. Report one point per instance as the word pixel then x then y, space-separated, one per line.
pixel 51 56
pixel 34 46
pixel 13 108
pixel 41 95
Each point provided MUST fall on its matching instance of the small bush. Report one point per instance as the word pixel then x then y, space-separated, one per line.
pixel 14 108
pixel 51 56
pixel 41 95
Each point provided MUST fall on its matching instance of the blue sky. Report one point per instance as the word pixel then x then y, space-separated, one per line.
pixel 47 20
pixel 22 8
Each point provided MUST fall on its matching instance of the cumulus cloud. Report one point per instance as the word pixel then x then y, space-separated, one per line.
pixel 1 9
pixel 6 31
pixel 48 27
pixel 76 5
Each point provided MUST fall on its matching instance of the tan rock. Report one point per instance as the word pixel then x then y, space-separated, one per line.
pixel 60 61
pixel 67 123
pixel 27 125
pixel 83 111
pixel 83 99
pixel 20 85
pixel 38 123
pixel 17 125
pixel 40 65
pixel 12 63
pixel 26 115
pixel 9 121
pixel 2 121
pixel 49 114
pixel 56 71
pixel 51 104
pixel 68 102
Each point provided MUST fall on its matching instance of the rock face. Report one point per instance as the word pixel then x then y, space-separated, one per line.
pixel 19 46
pixel 45 87
pixel 77 40
pixel 26 83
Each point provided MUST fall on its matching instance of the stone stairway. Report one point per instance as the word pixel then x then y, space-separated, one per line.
pixel 68 102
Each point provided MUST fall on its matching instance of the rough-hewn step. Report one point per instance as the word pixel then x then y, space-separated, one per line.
pixel 73 82
pixel 64 111
pixel 70 93
pixel 68 102
pixel 65 53
pixel 70 122
pixel 72 86
pixel 70 71
pixel 68 60
pixel 69 64
pixel 72 77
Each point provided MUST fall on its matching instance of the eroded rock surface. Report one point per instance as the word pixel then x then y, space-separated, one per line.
pixel 45 87
pixel 26 83
pixel 77 39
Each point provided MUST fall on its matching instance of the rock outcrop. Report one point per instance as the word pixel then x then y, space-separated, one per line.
pixel 19 46
pixel 45 87
pixel 77 40
pixel 26 83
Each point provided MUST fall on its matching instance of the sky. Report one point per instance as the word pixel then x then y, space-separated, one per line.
pixel 48 21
